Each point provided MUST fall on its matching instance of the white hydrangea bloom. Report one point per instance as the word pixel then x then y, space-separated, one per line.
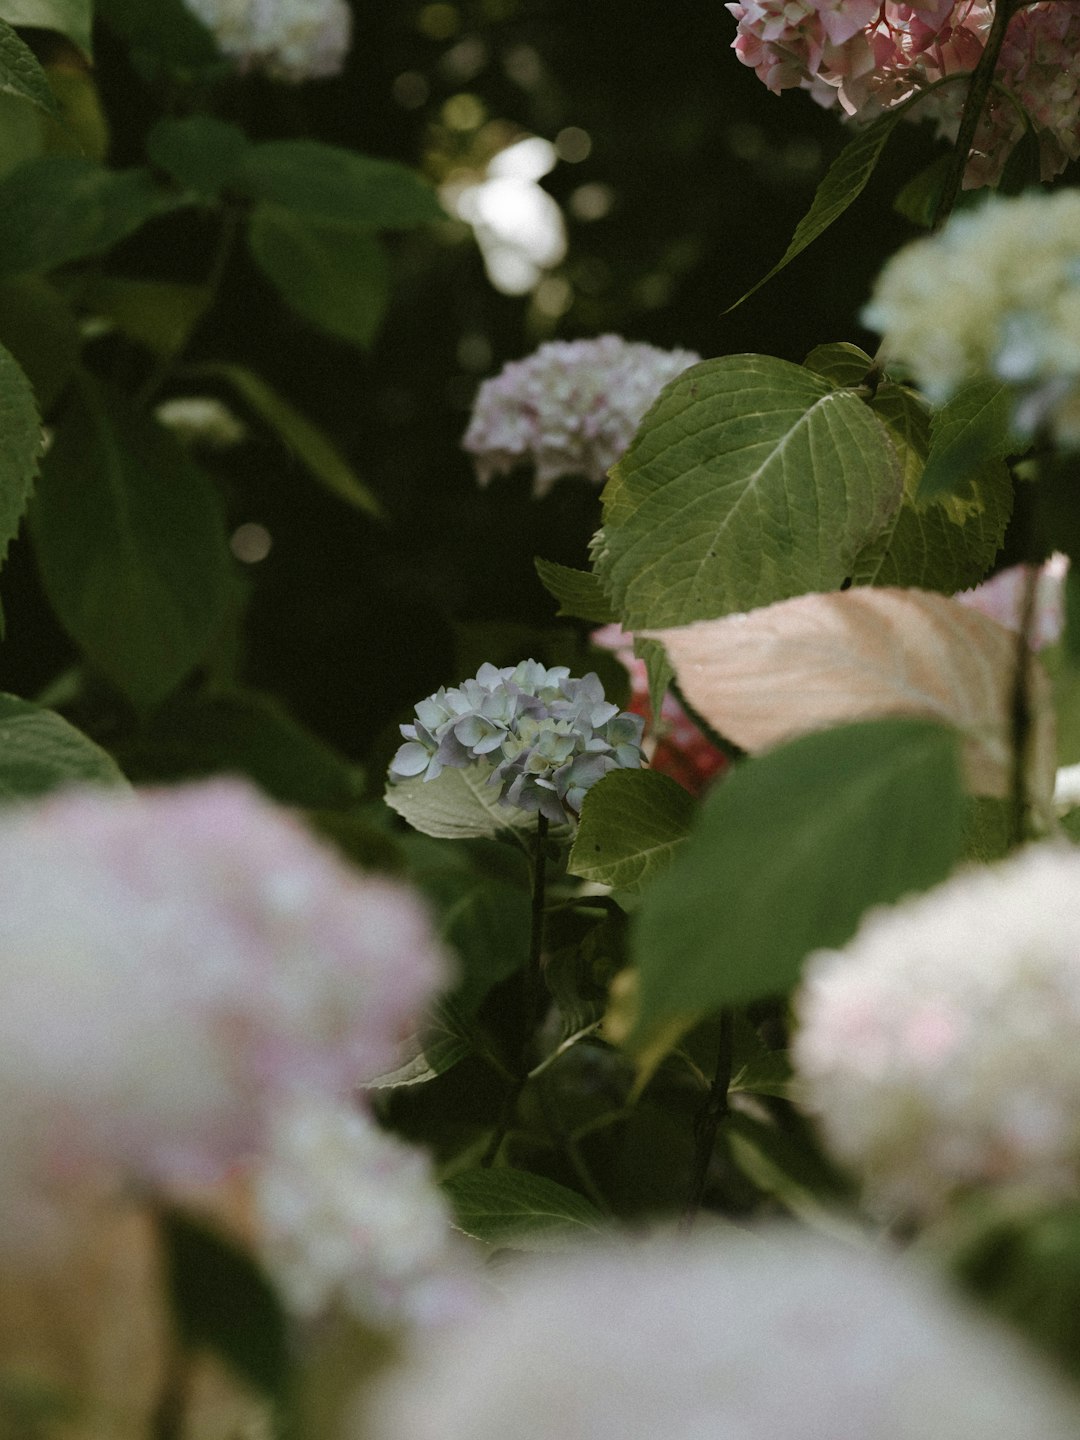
pixel 996 292
pixel 175 965
pixel 349 1215
pixel 779 1336
pixel 570 409
pixel 288 39
pixel 941 1048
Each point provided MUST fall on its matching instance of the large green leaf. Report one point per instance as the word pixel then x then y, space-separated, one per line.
pixel 750 480
pixel 328 185
pixel 974 427
pixel 334 277
pixel 632 824
pixel 20 73
pixel 70 17
pixel 513 1207
pixel 578 592
pixel 131 545
pixel 459 805
pixel 20 445
pixel 164 38
pixel 844 181
pixel 788 854
pixel 198 151
pixel 59 208
pixel 38 327
pixel 311 446
pixel 40 751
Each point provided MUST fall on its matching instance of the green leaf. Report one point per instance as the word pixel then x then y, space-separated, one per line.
pixel 334 277
pixel 844 365
pixel 786 857
pixel 844 181
pixel 428 1054
pixel 458 805
pixel 222 1302
pixel 658 670
pixel 20 73
pixel 488 927
pixel 20 445
pixel 157 314
pixel 38 327
pixel 311 446
pixel 918 200
pixel 164 39
pixel 579 592
pixel 328 185
pixel 241 732
pixel 59 208
pixel 199 152
pixel 70 17
pixel 750 480
pixel 512 1207
pixel 131 545
pixel 949 542
pixel 632 823
pixel 974 427
pixel 40 752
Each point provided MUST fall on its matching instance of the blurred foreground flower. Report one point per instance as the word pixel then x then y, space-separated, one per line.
pixel 941 1048
pixel 177 965
pixel 288 39
pixel 995 293
pixel 1002 599
pixel 570 409
pixel 547 736
pixel 778 1336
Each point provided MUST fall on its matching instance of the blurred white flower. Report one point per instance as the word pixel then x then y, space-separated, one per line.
pixel 940 1048
pixel 176 965
pixel 569 409
pixel 201 420
pixel 996 293
pixel 288 39
pixel 778 1336
pixel 350 1216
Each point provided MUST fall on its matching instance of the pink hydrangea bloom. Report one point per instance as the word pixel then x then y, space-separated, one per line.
pixel 176 964
pixel 569 409
pixel 868 57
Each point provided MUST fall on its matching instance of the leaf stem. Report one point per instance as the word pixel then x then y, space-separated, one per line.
pixel 707 1125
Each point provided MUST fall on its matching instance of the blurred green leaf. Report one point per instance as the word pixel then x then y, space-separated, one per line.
pixel 70 17
pixel 59 208
pixel 328 185
pixel 488 928
pixel 164 37
pixel 40 751
pixel 428 1054
pixel 334 277
pixel 311 446
pixel 579 592
pixel 20 446
pixel 632 823
pixel 198 151
pixel 222 1301
pixel 158 314
pixel 786 857
pixel 515 1208
pixel 131 545
pixel 750 480
pixel 918 200
pixel 38 327
pixel 20 73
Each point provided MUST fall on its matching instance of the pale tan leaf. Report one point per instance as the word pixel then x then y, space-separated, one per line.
pixel 821 660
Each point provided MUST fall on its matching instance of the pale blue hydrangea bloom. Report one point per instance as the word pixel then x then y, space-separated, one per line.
pixel 547 736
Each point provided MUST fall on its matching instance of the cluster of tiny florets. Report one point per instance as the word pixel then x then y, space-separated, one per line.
pixel 939 1049
pixel 547 736
pixel 995 293
pixel 288 39
pixel 570 409
pixel 867 57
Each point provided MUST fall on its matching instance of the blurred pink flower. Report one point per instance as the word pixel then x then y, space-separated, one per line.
pixel 1002 598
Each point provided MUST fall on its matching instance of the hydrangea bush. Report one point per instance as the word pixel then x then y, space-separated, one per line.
pixel 575 1050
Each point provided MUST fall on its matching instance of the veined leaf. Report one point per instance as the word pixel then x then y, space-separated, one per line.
pixel 632 824
pixel 40 751
pixel 69 17
pixel 458 805
pixel 822 660
pixel 750 480
pixel 513 1207
pixel 20 73
pixel 972 428
pixel 579 592
pixel 20 446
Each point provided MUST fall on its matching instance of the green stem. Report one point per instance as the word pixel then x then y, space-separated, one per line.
pixel 982 78
pixel 1021 706
pixel 707 1124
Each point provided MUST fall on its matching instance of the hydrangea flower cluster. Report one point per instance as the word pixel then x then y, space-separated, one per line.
pixel 571 408
pixel 938 1050
pixel 288 39
pixel 350 1216
pixel 548 737
pixel 195 960
pixel 779 1335
pixel 867 57
pixel 995 292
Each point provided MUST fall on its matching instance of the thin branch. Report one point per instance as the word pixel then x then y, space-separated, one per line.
pixel 707 1125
